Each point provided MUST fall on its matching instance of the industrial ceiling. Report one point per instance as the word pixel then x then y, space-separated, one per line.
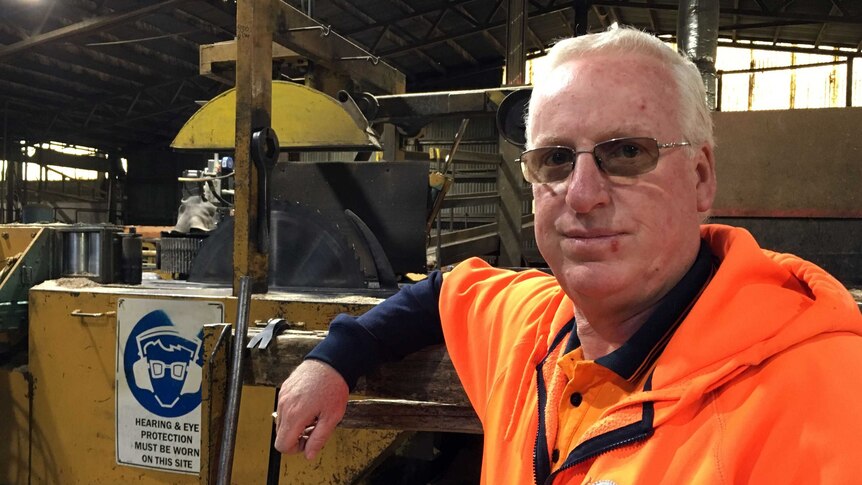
pixel 124 74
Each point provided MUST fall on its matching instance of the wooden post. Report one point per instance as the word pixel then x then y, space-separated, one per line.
pixel 516 55
pixel 509 180
pixel 510 185
pixel 254 26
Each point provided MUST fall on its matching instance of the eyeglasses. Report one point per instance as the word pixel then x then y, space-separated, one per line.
pixel 626 157
pixel 177 369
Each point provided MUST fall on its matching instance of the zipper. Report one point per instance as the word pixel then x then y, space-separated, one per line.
pixel 541 397
pixel 606 449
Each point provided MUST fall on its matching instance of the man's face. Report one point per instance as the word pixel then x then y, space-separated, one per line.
pixel 615 241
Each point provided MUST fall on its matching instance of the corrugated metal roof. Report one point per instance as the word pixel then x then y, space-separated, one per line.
pixel 134 82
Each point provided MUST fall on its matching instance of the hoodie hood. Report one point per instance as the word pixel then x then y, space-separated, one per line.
pixel 758 304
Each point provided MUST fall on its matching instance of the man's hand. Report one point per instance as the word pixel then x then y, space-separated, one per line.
pixel 311 403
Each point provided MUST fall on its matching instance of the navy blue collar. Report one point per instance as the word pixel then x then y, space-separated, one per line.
pixel 636 356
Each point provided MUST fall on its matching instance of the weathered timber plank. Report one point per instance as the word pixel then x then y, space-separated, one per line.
pixel 411 415
pixel 427 375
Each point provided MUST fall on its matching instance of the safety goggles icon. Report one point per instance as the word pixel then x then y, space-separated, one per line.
pixel 177 369
pixel 626 157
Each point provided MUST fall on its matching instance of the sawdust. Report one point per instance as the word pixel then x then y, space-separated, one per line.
pixel 75 283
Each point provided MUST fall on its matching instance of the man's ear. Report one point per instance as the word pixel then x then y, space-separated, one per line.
pixel 706 183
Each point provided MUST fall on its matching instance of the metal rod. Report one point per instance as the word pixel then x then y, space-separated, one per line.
pixel 234 389
pixel 10 170
pixel 718 90
pixel 325 29
pixel 458 135
pixel 849 98
pixel 439 224
pixel 781 68
pixel 6 141
pixel 274 467
pixel 372 59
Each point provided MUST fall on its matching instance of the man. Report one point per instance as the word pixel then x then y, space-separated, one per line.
pixel 661 351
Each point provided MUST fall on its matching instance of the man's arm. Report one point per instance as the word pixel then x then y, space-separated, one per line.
pixel 316 392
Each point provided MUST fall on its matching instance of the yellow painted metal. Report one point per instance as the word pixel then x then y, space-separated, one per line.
pixel 14 240
pixel 303 119
pixel 14 417
pixel 213 390
pixel 72 360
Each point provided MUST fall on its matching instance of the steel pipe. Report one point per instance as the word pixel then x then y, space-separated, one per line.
pixel 697 38
pixel 234 386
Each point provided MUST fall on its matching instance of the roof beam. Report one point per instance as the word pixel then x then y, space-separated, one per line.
pixel 565 21
pixel 735 19
pixel 471 31
pixel 761 25
pixel 653 22
pixel 822 31
pixel 459 9
pixel 797 49
pixel 419 12
pixel 45 15
pixel 840 7
pixel 762 6
pixel 455 47
pixel 601 15
pixel 84 27
pixel 846 19
pixel 493 12
pixel 300 33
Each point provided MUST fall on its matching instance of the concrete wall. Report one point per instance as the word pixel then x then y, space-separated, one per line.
pixel 790 163
pixel 794 179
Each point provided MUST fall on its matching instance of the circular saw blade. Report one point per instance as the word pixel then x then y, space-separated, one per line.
pixel 307 251
pixel 310 251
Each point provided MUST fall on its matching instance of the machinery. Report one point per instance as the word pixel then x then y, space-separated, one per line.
pixel 124 382
pixel 129 381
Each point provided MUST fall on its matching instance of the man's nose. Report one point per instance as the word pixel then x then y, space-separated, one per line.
pixel 587 185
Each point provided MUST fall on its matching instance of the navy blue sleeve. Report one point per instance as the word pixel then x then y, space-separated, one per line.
pixel 400 325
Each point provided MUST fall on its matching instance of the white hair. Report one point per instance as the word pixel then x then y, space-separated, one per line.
pixel 695 119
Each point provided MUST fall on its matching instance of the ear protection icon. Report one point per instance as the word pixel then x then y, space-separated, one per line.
pixel 167 341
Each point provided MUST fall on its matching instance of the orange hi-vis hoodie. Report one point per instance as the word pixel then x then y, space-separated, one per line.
pixel 761 381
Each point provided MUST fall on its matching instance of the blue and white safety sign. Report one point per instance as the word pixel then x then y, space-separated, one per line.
pixel 159 361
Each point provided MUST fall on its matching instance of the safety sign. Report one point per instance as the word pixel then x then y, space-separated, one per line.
pixel 159 362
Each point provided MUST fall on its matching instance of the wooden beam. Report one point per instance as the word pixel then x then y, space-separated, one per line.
pixel 253 112
pixel 410 416
pixel 82 28
pixel 422 392
pixel 516 53
pixel 318 42
pixel 51 157
pixel 510 186
pixel 431 375
pixel 218 61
